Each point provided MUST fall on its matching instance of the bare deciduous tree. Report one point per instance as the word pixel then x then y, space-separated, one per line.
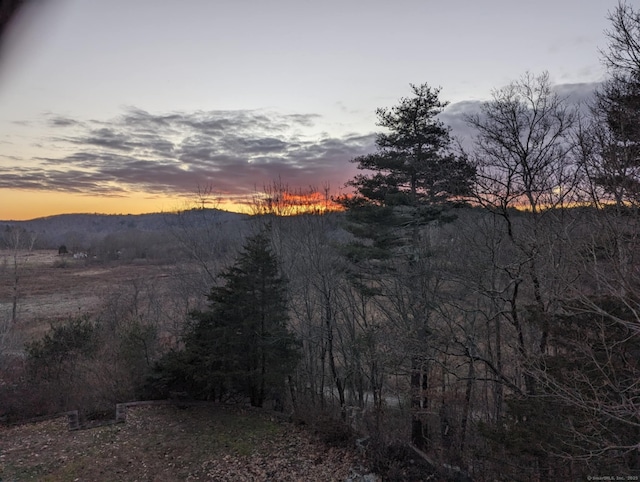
pixel 20 244
pixel 524 157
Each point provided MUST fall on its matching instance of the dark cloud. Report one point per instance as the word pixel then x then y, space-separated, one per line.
pixel 107 138
pixel 577 95
pixel 455 117
pixel 234 151
pixel 173 153
pixel 60 121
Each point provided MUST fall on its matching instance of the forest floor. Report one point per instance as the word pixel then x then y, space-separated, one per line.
pixel 166 443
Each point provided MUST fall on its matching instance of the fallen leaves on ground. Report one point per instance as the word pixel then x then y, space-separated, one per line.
pixel 164 443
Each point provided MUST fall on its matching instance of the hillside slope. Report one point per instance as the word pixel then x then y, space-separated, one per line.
pixel 52 231
pixel 165 443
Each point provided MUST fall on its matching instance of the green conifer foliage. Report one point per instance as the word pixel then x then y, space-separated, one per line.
pixel 411 179
pixel 241 345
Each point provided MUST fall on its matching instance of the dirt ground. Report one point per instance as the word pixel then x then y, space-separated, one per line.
pixel 165 443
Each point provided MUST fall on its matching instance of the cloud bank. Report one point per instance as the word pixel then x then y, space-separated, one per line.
pixel 234 152
pixel 175 153
pixel 575 95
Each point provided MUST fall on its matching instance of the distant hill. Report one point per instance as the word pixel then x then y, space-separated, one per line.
pixel 52 231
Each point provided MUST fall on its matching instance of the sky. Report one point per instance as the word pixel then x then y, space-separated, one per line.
pixel 135 106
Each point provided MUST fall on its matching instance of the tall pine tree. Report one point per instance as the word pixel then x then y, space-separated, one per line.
pixel 412 179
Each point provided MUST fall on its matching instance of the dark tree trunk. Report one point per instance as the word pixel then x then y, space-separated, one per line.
pixel 419 386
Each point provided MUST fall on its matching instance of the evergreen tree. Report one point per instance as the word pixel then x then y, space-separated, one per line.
pixel 414 165
pixel 241 345
pixel 414 177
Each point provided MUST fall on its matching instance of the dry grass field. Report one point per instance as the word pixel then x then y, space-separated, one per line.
pixel 53 287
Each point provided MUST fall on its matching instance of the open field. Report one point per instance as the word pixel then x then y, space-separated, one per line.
pixel 53 287
pixel 164 443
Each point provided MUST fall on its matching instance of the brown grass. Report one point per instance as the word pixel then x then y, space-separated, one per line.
pixel 53 287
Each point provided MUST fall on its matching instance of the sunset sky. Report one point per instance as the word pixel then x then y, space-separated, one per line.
pixel 132 106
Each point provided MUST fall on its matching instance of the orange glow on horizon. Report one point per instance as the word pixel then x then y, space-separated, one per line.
pixel 291 203
pixel 22 205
